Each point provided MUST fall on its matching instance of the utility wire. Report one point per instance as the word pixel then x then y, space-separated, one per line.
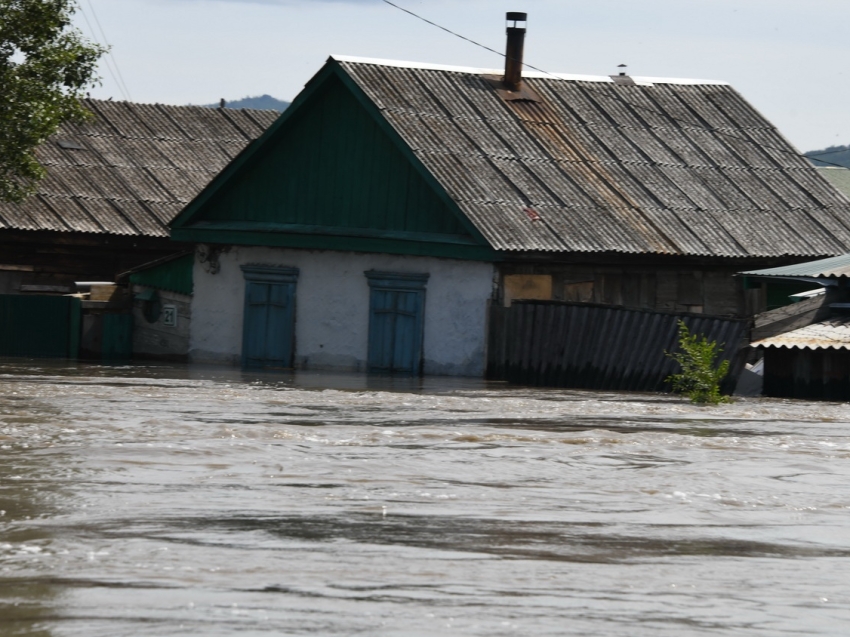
pixel 111 54
pixel 457 35
pixel 109 66
pixel 106 60
pixel 614 96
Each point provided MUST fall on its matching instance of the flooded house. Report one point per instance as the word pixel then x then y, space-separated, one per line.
pixel 113 183
pixel 805 345
pixel 378 223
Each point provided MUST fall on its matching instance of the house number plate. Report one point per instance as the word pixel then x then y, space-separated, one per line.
pixel 169 315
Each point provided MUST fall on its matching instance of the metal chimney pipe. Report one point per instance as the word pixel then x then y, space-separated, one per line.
pixel 513 51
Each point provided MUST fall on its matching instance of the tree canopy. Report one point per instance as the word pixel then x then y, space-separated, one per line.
pixel 45 66
pixel 833 155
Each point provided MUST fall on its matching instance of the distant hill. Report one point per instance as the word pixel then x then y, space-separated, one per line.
pixel 836 155
pixel 260 103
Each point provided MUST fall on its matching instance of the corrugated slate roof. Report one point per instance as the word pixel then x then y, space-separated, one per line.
pixel 831 268
pixel 663 166
pixel 831 334
pixel 139 165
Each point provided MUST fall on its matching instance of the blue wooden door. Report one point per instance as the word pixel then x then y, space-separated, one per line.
pixel 396 323
pixel 269 321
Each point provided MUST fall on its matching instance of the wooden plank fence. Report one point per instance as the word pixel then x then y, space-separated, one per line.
pixel 592 346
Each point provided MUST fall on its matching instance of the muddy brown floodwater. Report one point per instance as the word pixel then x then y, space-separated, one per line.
pixel 172 501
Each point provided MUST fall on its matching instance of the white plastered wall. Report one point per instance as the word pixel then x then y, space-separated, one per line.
pixel 332 308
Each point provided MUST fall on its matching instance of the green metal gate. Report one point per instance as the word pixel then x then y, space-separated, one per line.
pixel 39 326
pixel 117 340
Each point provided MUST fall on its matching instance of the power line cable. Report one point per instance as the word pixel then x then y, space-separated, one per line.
pixel 457 35
pixel 106 59
pixel 612 96
pixel 114 72
pixel 111 54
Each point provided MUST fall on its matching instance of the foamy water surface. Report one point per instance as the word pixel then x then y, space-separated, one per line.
pixel 173 501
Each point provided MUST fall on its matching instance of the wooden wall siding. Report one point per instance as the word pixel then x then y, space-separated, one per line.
pixel 668 289
pixel 60 259
pixel 155 340
pixel 334 167
pixel 791 317
pixel 588 346
pixel 821 374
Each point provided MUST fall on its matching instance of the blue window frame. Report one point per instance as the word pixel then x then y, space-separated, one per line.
pixel 396 321
pixel 268 333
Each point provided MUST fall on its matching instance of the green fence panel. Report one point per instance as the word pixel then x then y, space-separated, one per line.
pixel 38 326
pixel 117 337
pixel 75 317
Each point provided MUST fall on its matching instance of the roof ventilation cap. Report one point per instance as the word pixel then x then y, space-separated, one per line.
pixel 515 17
pixel 622 78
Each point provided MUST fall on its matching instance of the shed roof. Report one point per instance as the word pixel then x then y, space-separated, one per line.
pixel 173 273
pixel 831 268
pixel 132 168
pixel 830 334
pixel 683 167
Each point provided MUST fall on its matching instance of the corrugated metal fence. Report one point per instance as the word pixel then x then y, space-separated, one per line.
pixel 590 346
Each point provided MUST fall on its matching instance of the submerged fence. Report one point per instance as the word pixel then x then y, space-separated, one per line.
pixel 590 346
pixel 39 326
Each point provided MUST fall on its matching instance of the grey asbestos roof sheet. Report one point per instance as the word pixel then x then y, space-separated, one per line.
pixel 831 334
pixel 139 165
pixel 684 168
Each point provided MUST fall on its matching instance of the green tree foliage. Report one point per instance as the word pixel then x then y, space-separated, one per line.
pixel 259 102
pixel 701 376
pixel 45 66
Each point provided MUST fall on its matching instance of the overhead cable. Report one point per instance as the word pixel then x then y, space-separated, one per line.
pixel 112 67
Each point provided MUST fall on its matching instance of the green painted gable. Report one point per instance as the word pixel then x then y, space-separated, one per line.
pixel 331 176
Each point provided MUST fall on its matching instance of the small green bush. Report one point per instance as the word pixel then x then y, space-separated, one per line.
pixel 700 377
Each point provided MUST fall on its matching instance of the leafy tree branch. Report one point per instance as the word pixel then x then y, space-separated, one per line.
pixel 701 376
pixel 45 66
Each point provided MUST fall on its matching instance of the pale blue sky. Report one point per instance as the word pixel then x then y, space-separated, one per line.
pixel 788 57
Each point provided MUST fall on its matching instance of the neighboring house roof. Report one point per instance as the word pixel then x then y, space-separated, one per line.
pixel 675 167
pixel 838 177
pixel 831 334
pixel 831 268
pixel 132 168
